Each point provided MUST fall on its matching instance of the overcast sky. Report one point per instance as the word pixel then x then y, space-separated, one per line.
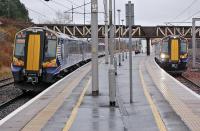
pixel 147 12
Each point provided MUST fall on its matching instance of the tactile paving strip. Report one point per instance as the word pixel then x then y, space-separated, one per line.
pixel 192 120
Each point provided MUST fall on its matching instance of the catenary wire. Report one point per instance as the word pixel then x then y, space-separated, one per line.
pixel 186 9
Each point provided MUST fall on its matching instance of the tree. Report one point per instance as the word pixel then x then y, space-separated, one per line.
pixel 13 9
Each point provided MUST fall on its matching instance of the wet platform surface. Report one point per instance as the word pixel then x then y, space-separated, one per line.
pixel 69 105
pixel 95 113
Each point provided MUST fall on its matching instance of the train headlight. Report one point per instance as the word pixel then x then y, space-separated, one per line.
pixel 51 63
pixel 183 56
pixel 17 62
pixel 163 56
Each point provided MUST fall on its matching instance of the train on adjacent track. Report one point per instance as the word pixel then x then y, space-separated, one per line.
pixel 171 53
pixel 41 55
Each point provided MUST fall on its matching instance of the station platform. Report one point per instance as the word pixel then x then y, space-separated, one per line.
pixel 159 103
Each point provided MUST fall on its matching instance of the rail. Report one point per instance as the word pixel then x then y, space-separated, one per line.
pixel 190 84
pixel 6 82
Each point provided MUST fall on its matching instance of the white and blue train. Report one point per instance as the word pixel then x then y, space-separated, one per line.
pixel 40 55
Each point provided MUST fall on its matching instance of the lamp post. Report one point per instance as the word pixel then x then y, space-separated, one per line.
pixel 111 33
pixel 130 6
pixel 122 40
pixel 106 31
pixel 119 55
pixel 114 21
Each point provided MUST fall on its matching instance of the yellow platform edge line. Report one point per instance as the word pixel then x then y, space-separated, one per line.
pixel 76 107
pixel 156 114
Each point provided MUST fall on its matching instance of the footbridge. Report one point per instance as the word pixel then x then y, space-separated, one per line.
pixel 138 31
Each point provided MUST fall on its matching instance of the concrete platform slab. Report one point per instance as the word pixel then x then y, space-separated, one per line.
pixel 77 109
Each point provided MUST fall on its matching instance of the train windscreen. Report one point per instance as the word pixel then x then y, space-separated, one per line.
pixel 50 49
pixel 50 46
pixel 164 47
pixel 19 45
pixel 183 47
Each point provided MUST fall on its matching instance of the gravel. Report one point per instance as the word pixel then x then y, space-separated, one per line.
pixel 193 75
pixel 8 92
pixel 7 110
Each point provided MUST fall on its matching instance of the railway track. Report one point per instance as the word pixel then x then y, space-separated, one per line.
pixel 9 102
pixel 6 94
pixel 12 104
pixel 189 84
pixel 6 82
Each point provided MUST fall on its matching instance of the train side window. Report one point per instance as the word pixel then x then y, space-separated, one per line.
pixel 71 47
pixel 66 48
pixel 19 47
pixel 79 47
pixel 82 47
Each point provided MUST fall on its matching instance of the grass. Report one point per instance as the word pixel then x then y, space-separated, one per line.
pixel 5 72
pixel 6 50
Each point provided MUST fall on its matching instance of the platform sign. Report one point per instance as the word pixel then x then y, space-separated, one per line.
pixel 132 14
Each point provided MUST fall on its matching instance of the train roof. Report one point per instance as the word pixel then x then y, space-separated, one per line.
pixel 173 36
pixel 58 34
pixel 62 35
pixel 37 29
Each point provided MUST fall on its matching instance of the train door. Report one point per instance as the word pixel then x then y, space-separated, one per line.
pixel 34 55
pixel 174 50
